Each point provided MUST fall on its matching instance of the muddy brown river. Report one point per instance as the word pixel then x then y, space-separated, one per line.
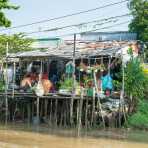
pixel 24 139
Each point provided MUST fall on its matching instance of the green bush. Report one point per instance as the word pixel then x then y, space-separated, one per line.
pixel 140 118
pixel 67 84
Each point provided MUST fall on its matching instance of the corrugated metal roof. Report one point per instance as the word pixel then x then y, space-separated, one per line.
pixel 109 36
pixel 83 49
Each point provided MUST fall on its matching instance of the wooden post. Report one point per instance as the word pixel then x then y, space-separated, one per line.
pixel 121 107
pixel 32 109
pixel 64 113
pixel 23 111
pixel 61 114
pixel 51 112
pixel 41 108
pixel 55 113
pixel 28 112
pixel 99 103
pixel 93 106
pixel 67 111
pixel 14 71
pixel 6 87
pixel 86 114
pixel 73 93
pixel 46 108
pixel 38 109
pixel 80 112
pixel 78 105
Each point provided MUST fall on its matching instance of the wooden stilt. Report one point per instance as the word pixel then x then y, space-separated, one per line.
pixel 41 108
pixel 78 104
pixel 86 114
pixel 23 111
pixel 99 103
pixel 93 107
pixel 50 113
pixel 28 112
pixel 45 108
pixel 73 90
pixel 38 109
pixel 65 110
pixel 55 113
pixel 14 72
pixel 80 112
pixel 32 109
pixel 6 88
pixel 61 119
pixel 71 111
pixel 61 114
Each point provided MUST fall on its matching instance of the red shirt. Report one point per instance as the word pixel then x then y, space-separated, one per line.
pixel 45 76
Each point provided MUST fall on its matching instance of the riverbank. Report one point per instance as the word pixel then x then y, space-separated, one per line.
pixel 16 138
pixel 115 134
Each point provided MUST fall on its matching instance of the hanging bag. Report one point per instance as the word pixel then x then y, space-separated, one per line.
pixel 39 90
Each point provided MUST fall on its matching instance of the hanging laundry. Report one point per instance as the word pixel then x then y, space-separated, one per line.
pixel 8 74
pixel 69 67
pixel 107 82
pixel 29 67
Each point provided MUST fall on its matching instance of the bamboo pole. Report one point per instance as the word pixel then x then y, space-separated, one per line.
pixel 122 92
pixel 38 109
pixel 51 112
pixel 65 110
pixel 55 113
pixel 77 109
pixel 41 108
pixel 23 111
pixel 28 113
pixel 80 112
pixel 14 72
pixel 61 114
pixel 86 114
pixel 109 64
pixel 46 108
pixel 99 103
pixel 6 86
pixel 73 92
pixel 32 109
pixel 93 107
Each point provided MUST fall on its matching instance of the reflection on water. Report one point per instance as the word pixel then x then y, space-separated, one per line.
pixel 21 139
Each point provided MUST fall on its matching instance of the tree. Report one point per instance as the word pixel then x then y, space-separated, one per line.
pixel 16 42
pixel 136 82
pixel 4 4
pixel 139 24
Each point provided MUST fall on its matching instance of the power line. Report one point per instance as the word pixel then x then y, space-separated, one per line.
pixel 93 30
pixel 65 16
pixel 75 25
pixel 122 23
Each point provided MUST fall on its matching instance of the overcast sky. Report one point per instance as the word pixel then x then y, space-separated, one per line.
pixel 36 10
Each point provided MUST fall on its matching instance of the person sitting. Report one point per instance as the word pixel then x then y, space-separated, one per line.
pixel 26 82
pixel 47 84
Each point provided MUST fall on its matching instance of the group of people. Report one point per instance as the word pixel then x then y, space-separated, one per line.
pixel 31 80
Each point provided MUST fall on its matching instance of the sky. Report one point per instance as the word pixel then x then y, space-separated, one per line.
pixel 37 10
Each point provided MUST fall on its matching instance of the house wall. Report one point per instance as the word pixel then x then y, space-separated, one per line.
pixel 46 43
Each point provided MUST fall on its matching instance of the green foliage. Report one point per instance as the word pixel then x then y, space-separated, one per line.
pixel 117 84
pixel 135 79
pixel 67 84
pixel 16 42
pixel 140 118
pixel 139 24
pixel 5 4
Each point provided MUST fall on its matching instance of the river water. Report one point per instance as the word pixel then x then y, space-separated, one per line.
pixel 11 138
